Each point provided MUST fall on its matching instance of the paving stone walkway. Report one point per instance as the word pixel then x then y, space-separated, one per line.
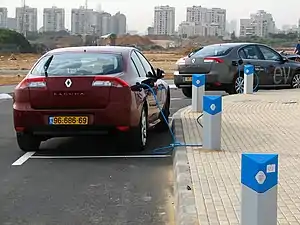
pixel 266 122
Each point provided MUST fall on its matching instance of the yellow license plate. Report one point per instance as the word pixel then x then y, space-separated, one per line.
pixel 188 78
pixel 68 120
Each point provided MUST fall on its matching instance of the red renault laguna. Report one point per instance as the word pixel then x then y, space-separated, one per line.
pixel 88 91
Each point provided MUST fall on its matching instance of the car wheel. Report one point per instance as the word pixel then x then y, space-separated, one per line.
pixel 187 91
pixel 28 143
pixel 296 81
pixel 135 139
pixel 162 125
pixel 238 85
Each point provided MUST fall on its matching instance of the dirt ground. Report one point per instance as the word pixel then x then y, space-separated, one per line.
pixel 164 61
pixel 9 79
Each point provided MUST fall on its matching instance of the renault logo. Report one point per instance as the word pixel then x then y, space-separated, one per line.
pixel 68 83
pixel 193 60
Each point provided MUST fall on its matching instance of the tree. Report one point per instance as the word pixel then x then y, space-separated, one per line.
pixel 13 38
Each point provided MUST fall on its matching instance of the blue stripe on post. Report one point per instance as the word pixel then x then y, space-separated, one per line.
pixel 198 80
pixel 212 104
pixel 259 171
pixel 249 69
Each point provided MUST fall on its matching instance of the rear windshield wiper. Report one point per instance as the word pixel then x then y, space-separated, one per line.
pixel 47 64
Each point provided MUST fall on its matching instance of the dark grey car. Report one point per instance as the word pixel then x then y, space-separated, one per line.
pixel 223 65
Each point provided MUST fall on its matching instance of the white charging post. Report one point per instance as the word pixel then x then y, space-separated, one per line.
pixel 248 79
pixel 259 178
pixel 198 91
pixel 212 121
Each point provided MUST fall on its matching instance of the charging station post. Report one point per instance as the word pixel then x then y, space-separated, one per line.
pixel 212 121
pixel 198 91
pixel 259 178
pixel 248 79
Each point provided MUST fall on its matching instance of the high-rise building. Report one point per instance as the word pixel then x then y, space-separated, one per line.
pixel 3 17
pixel 259 24
pixel 164 20
pixel 83 21
pixel 26 19
pixel 53 19
pixel 12 23
pixel 118 24
pixel 105 23
pixel 208 22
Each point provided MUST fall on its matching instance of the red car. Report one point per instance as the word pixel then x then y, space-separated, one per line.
pixel 88 91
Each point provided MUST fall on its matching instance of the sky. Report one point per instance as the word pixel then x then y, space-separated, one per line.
pixel 140 13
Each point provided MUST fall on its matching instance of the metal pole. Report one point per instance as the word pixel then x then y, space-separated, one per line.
pixel 198 91
pixel 259 178
pixel 248 79
pixel 212 120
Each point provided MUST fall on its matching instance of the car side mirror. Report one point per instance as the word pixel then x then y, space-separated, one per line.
pixel 284 59
pixel 159 73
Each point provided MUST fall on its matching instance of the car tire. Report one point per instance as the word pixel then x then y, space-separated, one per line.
pixel 295 82
pixel 162 125
pixel 239 81
pixel 187 91
pixel 237 86
pixel 135 140
pixel 28 142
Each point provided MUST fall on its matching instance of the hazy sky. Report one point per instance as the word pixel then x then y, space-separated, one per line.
pixel 140 13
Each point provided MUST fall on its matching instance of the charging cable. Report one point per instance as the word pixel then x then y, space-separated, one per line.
pixel 175 143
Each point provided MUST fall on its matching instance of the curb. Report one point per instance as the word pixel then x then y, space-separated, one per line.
pixel 185 205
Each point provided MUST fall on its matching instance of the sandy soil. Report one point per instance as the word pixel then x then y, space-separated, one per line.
pixel 9 79
pixel 164 61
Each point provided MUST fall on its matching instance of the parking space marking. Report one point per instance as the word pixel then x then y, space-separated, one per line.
pixel 179 99
pixel 100 156
pixel 23 158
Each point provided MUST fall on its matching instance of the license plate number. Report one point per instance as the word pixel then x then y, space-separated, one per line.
pixel 68 120
pixel 188 79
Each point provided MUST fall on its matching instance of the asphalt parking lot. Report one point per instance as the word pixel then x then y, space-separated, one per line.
pixel 85 180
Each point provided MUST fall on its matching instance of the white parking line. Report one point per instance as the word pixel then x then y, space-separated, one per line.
pixel 5 96
pixel 179 99
pixel 100 156
pixel 23 159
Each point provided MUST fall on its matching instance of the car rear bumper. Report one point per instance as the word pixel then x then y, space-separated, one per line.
pixel 185 80
pixel 99 121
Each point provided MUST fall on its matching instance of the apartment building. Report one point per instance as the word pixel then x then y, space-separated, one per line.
pixel 83 21
pixel 118 24
pixel 186 29
pixel 105 23
pixel 3 17
pixel 164 20
pixel 26 19
pixel 208 21
pixel 12 23
pixel 53 19
pixel 259 24
pixel 87 22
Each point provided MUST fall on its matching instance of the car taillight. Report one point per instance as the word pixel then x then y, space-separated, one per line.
pixel 181 61
pixel 34 82
pixel 109 82
pixel 213 59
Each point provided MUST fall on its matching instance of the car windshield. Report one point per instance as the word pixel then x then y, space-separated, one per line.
pixel 68 64
pixel 213 50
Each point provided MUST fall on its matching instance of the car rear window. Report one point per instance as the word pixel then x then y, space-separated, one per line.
pixel 213 50
pixel 68 64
